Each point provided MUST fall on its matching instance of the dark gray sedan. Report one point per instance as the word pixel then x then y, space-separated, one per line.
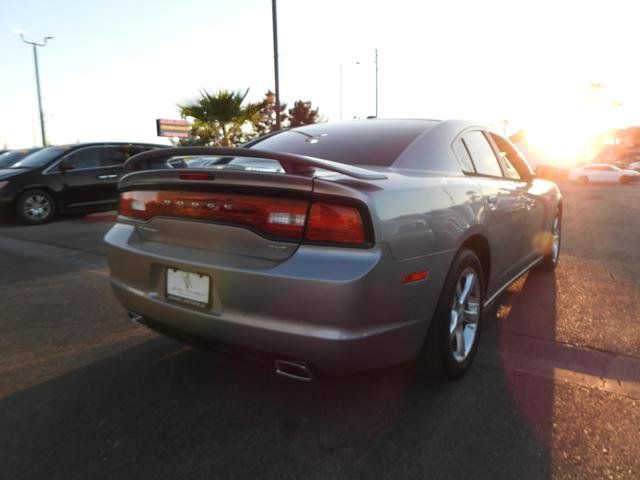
pixel 334 247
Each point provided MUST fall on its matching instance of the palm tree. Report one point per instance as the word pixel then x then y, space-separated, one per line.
pixel 303 114
pixel 220 117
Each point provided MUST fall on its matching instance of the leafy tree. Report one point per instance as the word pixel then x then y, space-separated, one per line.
pixel 303 114
pixel 221 118
pixel 267 121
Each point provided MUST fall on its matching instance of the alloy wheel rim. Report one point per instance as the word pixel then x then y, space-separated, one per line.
pixel 37 207
pixel 555 246
pixel 465 315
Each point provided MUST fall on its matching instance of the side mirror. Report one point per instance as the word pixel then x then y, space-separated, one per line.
pixel 65 165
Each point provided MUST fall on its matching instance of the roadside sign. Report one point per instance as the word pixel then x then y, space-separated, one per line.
pixel 173 128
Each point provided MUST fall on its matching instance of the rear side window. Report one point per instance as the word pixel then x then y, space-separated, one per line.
pixel 482 154
pixel 464 159
pixel 118 154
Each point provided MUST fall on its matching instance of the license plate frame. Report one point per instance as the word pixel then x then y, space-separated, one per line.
pixel 188 288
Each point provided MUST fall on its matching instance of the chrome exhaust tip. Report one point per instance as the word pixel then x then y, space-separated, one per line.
pixel 134 317
pixel 294 370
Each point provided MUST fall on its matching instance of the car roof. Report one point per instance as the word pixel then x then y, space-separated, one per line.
pixel 369 123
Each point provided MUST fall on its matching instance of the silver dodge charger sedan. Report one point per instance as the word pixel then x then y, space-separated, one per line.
pixel 334 248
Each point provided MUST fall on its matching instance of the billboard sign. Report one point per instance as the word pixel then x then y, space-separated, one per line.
pixel 173 128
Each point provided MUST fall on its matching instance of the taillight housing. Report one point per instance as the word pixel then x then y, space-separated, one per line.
pixel 329 223
pixel 290 219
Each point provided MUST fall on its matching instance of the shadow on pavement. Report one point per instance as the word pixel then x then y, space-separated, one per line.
pixel 529 310
pixel 163 410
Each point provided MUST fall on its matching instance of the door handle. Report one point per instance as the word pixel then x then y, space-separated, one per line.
pixel 106 177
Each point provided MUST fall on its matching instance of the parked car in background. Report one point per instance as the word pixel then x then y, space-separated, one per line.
pixel 602 173
pixel 335 247
pixel 65 179
pixel 10 157
pixel 635 166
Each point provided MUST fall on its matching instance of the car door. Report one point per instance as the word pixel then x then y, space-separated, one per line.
pixel 88 177
pixel 535 209
pixel 75 173
pixel 598 173
pixel 504 209
pixel 611 173
pixel 112 160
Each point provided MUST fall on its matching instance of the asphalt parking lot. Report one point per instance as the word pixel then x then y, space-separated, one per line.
pixel 555 391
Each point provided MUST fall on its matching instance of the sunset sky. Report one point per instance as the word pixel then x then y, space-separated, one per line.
pixel 114 67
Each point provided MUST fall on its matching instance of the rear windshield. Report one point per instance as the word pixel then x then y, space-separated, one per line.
pixel 373 142
pixel 40 158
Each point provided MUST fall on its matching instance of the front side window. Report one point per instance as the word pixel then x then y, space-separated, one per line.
pixel 89 157
pixel 482 154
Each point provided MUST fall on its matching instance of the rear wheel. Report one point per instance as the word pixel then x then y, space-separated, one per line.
pixel 552 256
pixel 452 340
pixel 35 206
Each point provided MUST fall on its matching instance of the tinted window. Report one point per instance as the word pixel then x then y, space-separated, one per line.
pixel 40 158
pixel 509 157
pixel 366 142
pixel 89 157
pixel 482 154
pixel 463 157
pixel 117 155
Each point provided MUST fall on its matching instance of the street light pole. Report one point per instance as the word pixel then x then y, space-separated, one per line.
pixel 376 59
pixel 341 80
pixel 35 46
pixel 274 17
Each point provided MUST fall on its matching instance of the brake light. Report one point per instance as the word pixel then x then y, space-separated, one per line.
pixel 281 217
pixel 196 176
pixel 335 223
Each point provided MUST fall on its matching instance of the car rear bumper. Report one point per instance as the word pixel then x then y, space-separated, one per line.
pixel 336 310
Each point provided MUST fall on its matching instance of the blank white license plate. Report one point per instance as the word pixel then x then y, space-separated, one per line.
pixel 187 287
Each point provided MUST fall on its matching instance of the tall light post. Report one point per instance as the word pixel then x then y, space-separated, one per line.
pixel 274 17
pixel 376 83
pixel 35 46
pixel 376 61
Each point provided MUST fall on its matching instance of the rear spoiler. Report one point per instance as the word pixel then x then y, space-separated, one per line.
pixel 291 163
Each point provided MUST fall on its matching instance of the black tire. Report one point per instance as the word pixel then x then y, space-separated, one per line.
pixel 35 207
pixel 583 180
pixel 551 258
pixel 437 359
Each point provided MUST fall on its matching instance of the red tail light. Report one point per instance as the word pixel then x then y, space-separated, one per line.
pixel 335 223
pixel 281 217
pixel 275 216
